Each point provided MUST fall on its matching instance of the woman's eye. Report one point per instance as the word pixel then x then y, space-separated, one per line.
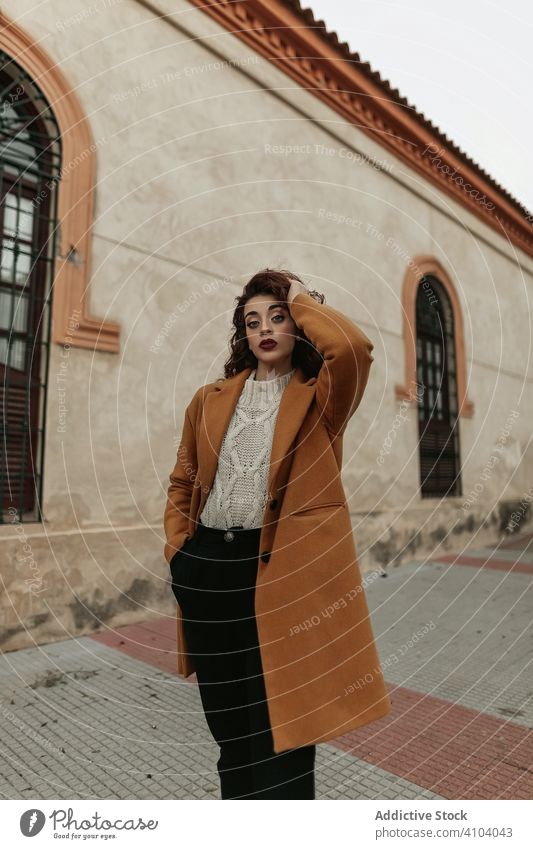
pixel 253 323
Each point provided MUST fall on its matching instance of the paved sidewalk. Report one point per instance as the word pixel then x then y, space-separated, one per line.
pixel 106 717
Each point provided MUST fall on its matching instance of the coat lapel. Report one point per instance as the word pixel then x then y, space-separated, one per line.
pixel 218 409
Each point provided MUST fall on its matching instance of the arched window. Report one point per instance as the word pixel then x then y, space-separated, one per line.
pixel 30 164
pixel 436 370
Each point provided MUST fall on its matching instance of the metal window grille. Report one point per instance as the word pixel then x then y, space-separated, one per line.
pixel 438 422
pixel 30 166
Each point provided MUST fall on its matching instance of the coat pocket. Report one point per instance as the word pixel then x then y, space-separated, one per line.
pixel 178 566
pixel 317 508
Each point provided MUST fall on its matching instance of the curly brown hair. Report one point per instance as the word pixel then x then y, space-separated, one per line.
pixel 268 281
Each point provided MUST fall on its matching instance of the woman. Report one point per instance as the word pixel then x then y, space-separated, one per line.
pixel 272 614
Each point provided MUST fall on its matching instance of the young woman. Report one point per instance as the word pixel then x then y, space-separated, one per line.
pixel 272 615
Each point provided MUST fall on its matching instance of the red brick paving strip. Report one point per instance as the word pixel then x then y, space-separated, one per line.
pixel 153 641
pixel 454 751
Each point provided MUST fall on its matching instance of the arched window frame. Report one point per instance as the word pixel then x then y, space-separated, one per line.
pixel 30 154
pixel 419 267
pixel 72 322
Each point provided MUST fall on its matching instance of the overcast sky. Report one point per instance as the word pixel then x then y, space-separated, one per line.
pixel 467 66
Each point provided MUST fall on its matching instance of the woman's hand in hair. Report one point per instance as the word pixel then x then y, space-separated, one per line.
pixel 296 289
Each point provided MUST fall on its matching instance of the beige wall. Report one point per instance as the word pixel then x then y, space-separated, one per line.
pixel 189 204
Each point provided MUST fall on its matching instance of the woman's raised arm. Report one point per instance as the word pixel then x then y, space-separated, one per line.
pixel 347 354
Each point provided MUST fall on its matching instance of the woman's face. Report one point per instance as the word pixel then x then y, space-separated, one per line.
pixel 268 321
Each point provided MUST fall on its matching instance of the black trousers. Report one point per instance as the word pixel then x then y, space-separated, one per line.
pixel 213 579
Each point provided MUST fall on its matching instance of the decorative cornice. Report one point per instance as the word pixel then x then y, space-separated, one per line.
pixel 72 322
pixel 290 38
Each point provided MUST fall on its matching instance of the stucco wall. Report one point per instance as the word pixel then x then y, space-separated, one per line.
pixel 196 191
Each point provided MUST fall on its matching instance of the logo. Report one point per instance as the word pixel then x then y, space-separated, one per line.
pixel 31 822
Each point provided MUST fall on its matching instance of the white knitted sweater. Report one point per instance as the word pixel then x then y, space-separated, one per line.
pixel 239 492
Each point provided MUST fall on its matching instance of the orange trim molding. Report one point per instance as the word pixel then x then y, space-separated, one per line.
pixel 72 322
pixel 420 266
pixel 291 39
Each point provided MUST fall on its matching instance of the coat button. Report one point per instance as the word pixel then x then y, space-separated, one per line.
pixel 273 503
pixel 265 556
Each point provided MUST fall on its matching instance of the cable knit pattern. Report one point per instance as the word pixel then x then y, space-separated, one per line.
pixel 239 492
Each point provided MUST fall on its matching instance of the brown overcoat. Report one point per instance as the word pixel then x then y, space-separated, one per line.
pixel 321 668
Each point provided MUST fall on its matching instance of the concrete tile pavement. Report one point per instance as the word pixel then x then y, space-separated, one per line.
pixel 106 717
